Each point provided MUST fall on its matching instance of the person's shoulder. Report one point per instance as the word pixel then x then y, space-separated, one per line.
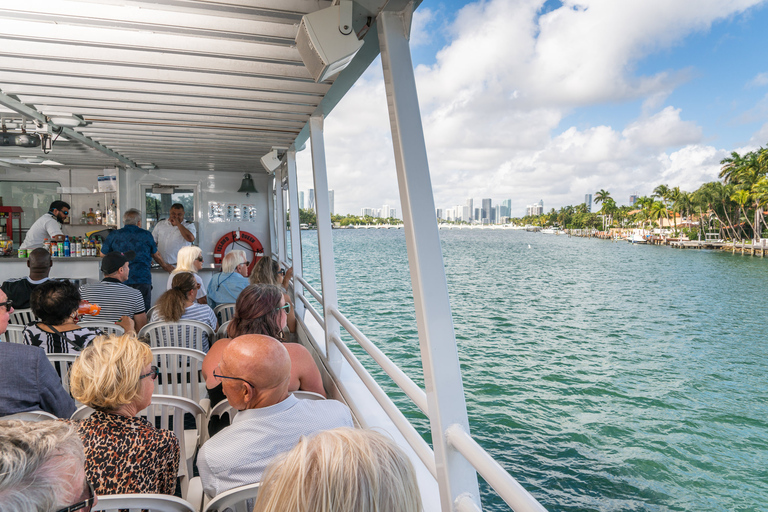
pixel 13 352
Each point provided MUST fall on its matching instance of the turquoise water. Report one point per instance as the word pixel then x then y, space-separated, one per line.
pixel 603 376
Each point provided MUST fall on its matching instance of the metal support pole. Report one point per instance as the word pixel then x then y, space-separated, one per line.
pixel 442 374
pixel 325 242
pixel 293 200
pixel 280 214
pixel 272 215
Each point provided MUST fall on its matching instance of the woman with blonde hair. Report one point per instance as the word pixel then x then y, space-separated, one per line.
pixel 178 303
pixel 190 259
pixel 341 470
pixel 268 271
pixel 123 454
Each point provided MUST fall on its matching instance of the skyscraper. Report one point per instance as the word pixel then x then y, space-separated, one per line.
pixel 486 212
pixel 301 200
pixel 588 200
pixel 471 206
pixel 633 198
pixel 330 201
pixel 311 199
pixel 506 210
pixel 439 213
pixel 385 211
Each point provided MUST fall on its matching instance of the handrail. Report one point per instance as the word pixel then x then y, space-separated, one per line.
pixel 315 294
pixel 410 388
pixel 414 439
pixel 311 309
pixel 497 477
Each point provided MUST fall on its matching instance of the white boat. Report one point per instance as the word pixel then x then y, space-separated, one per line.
pixel 549 231
pixel 179 99
pixel 637 237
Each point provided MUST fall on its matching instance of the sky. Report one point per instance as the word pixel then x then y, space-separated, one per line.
pixel 532 99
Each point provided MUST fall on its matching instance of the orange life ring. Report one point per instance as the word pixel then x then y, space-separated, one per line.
pixel 231 238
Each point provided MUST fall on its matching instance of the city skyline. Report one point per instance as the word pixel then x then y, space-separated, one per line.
pixel 573 109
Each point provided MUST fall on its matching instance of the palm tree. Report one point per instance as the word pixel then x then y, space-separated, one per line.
pixel 742 197
pixel 732 166
pixel 601 196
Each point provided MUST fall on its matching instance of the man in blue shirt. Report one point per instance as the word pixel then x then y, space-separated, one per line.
pixel 133 238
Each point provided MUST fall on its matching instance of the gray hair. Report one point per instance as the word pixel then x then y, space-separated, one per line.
pixel 232 260
pixel 132 217
pixel 36 465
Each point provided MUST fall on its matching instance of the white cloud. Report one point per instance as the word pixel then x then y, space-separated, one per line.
pixel 760 80
pixel 496 104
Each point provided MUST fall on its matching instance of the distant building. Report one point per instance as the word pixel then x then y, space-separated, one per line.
pixel 330 201
pixel 367 211
pixel 466 213
pixel 311 199
pixel 535 208
pixel 471 206
pixel 486 211
pixel 477 215
pixel 439 213
pixel 497 214
pixel 506 208
pixel 301 200
pixel 588 201
pixel 633 198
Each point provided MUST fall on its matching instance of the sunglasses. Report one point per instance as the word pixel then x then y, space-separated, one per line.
pixel 282 272
pixel 7 304
pixel 88 503
pixel 200 258
pixel 153 373
pixel 287 308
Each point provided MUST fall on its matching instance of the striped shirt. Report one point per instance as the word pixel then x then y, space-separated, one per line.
pixel 200 312
pixel 115 299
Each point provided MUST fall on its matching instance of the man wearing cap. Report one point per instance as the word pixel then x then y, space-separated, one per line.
pixel 115 298
pixel 132 237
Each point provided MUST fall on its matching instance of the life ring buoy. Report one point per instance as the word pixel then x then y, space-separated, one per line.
pixel 230 238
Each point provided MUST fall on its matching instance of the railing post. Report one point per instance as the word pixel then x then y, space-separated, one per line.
pixel 280 214
pixel 442 374
pixel 325 242
pixel 273 214
pixel 293 200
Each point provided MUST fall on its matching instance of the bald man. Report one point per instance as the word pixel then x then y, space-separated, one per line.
pixel 255 371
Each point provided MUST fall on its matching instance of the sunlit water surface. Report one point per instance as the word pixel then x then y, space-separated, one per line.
pixel 603 376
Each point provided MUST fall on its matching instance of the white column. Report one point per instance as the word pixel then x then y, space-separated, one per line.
pixel 442 374
pixel 280 214
pixel 272 216
pixel 293 199
pixel 325 241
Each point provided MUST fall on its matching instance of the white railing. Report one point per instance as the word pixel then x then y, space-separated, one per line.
pixel 494 474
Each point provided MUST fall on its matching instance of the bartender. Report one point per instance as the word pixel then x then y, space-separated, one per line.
pixel 173 234
pixel 48 226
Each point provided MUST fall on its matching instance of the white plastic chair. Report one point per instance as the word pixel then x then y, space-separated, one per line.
pixel 150 311
pixel 13 333
pixel 239 499
pixel 107 327
pixel 218 410
pixel 308 395
pixel 139 502
pixel 30 416
pixel 62 363
pixel 170 411
pixel 225 312
pixel 22 317
pixel 184 334
pixel 181 372
pixel 221 332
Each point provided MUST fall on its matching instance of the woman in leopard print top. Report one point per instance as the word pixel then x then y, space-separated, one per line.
pixel 124 454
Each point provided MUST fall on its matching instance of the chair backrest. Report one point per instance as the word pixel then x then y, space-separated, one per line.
pixel 13 333
pixel 308 395
pixel 107 327
pixel 181 372
pixel 30 416
pixel 22 317
pixel 221 332
pixel 225 312
pixel 239 499
pixel 62 363
pixel 220 409
pixel 139 502
pixel 184 334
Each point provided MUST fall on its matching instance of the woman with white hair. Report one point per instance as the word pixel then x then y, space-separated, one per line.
pixel 341 470
pixel 226 286
pixel 190 259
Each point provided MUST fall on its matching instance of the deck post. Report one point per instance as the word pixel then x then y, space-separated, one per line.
pixel 293 201
pixel 442 374
pixel 271 206
pixel 325 242
pixel 280 214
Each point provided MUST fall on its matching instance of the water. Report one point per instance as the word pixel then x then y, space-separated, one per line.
pixel 603 376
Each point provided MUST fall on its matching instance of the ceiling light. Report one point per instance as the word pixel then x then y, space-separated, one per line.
pixel 67 120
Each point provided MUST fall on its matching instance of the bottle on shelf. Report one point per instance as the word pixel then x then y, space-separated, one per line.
pixel 60 249
pixel 112 214
pixel 66 247
pixel 84 218
pixel 78 247
pixel 54 249
pixel 99 217
pixel 47 244
pixel 91 216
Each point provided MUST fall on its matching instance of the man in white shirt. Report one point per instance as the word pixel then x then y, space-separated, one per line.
pixel 255 372
pixel 48 226
pixel 173 234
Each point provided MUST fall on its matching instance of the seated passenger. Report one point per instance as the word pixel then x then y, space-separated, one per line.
pixel 268 271
pixel 341 470
pixel 42 468
pixel 116 299
pixel 28 381
pixel 19 289
pixel 255 371
pixel 178 303
pixel 261 309
pixel 55 303
pixel 190 259
pixel 124 454
pixel 226 286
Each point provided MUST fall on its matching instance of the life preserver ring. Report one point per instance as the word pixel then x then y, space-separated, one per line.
pixel 245 238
